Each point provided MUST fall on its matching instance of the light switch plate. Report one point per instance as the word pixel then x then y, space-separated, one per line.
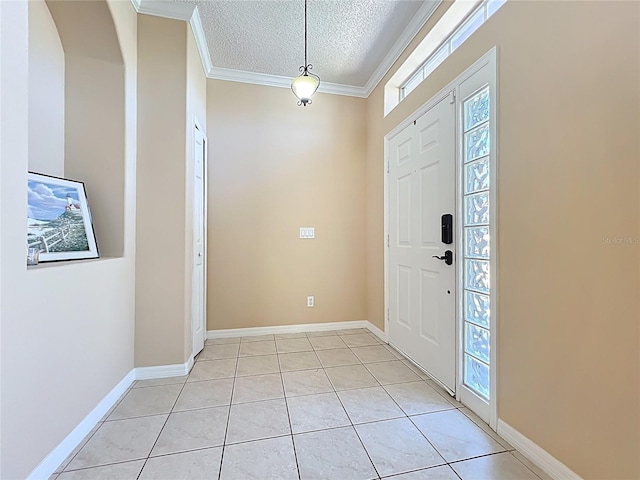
pixel 307 232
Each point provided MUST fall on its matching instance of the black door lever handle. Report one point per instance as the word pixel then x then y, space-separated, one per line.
pixel 447 257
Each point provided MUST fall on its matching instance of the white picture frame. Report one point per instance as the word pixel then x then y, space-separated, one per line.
pixel 58 219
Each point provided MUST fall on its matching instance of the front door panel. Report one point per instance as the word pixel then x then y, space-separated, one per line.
pixel 422 288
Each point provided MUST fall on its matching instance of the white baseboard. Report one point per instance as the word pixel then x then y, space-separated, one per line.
pixel 58 455
pixel 305 327
pixel 164 371
pixel 538 455
pixel 189 365
pixel 377 332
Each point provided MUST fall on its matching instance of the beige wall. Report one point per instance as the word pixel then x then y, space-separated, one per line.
pixel 568 158
pixel 275 167
pixel 94 114
pixel 160 267
pixel 375 242
pixel 172 94
pixel 66 339
pixel 46 93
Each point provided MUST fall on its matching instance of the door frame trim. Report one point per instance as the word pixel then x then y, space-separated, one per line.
pixel 205 193
pixel 489 58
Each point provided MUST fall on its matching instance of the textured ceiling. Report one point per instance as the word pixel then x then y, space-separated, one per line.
pixel 347 39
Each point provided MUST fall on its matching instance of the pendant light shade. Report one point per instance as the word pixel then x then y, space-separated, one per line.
pixel 307 83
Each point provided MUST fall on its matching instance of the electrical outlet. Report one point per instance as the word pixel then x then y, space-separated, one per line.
pixel 310 301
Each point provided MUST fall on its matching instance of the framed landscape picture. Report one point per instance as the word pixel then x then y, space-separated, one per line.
pixel 58 219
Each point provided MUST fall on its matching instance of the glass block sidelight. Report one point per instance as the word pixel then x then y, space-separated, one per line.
pixel 476 209
pixel 477 275
pixel 476 109
pixel 477 242
pixel 476 342
pixel 477 308
pixel 476 375
pixel 476 143
pixel 476 176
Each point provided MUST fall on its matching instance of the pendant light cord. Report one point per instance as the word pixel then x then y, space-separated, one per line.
pixel 305 34
pixel 306 84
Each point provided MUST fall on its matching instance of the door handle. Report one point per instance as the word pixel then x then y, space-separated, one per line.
pixel 447 257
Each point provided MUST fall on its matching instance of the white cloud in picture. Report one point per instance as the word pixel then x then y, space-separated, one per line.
pixel 47 202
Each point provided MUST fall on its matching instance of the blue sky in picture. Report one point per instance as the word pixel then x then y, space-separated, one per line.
pixel 47 201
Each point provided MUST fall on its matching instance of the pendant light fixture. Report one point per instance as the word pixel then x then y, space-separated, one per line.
pixel 306 84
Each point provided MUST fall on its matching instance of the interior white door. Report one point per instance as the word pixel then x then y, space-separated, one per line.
pixel 422 290
pixel 198 287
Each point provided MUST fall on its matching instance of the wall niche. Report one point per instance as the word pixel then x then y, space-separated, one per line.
pixel 77 107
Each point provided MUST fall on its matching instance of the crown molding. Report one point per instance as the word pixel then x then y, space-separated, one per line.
pixel 179 11
pixel 190 13
pixel 408 34
pixel 201 41
pixel 280 81
pixel 165 9
pixel 340 89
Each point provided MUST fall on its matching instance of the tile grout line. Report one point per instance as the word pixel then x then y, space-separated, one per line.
pixel 226 430
pixel 163 425
pixel 315 350
pixel 420 380
pixel 310 431
pixel 322 367
pixel 406 415
pixel 100 423
pixel 449 464
pixel 103 465
pixel 524 465
pixel 490 455
pixel 286 406
pixel 392 476
pixel 161 385
pixel 83 443
pixel 402 360
pixel 198 449
pixel 375 421
pixel 452 407
pixel 353 427
pixel 484 428
pixel 425 436
pixel 401 409
pixel 475 457
pixel 441 455
pixel 130 388
pixel 242 442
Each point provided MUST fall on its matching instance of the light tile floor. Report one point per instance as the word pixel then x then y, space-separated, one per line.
pixel 323 405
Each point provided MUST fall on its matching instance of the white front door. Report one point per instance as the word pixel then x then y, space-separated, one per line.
pixel 198 287
pixel 422 289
